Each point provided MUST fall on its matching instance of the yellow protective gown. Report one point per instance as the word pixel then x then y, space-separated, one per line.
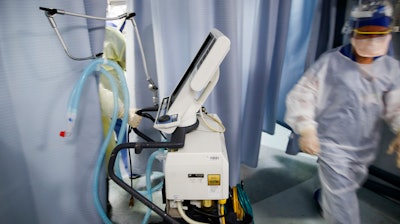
pixel 114 49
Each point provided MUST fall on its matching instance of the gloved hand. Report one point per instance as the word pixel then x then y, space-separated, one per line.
pixel 309 142
pixel 107 107
pixel 133 118
pixel 395 147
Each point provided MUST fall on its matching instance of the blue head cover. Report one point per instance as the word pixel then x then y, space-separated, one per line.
pixel 379 14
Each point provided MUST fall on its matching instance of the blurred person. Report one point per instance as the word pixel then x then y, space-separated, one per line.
pixel 338 108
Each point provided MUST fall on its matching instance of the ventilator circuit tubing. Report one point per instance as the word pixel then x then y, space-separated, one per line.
pixel 150 190
pixel 177 141
pixel 73 104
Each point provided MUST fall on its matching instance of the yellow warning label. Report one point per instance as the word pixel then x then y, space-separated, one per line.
pixel 214 179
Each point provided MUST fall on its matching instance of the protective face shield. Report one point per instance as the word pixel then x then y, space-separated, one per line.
pixel 371 47
pixel 371 24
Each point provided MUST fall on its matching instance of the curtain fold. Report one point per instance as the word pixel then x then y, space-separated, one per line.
pixel 323 30
pixel 45 178
pixel 264 77
pixel 299 38
pixel 95 27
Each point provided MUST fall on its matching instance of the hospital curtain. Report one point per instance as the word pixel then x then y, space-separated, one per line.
pixel 247 91
pixel 46 178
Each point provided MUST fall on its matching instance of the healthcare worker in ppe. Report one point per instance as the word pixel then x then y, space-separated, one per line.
pixel 114 49
pixel 339 105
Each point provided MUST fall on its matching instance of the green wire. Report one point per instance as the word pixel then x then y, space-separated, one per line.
pixel 244 200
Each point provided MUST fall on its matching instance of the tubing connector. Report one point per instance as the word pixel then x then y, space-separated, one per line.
pixel 71 117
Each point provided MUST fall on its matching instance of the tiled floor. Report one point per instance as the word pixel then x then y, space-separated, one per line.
pixel 280 190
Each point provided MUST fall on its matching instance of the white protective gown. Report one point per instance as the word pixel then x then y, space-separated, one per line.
pixel 345 101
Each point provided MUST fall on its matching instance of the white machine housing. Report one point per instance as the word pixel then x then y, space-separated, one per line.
pixel 199 170
pixel 179 109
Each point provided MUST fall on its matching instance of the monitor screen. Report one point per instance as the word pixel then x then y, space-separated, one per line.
pixel 200 78
pixel 194 66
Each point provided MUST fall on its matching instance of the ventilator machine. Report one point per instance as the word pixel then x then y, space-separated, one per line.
pixel 196 167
